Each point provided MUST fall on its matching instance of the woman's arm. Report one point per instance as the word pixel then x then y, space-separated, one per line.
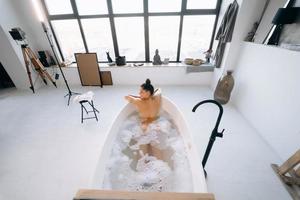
pixel 132 99
pixel 134 96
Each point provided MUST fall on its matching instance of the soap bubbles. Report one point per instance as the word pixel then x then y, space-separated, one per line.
pixel 129 169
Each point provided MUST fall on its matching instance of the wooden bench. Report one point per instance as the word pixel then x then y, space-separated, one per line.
pixel 85 194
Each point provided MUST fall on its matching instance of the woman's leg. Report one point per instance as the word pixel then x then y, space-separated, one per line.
pixel 145 150
pixel 156 152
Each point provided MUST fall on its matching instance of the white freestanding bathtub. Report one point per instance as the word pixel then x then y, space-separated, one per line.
pixel 198 179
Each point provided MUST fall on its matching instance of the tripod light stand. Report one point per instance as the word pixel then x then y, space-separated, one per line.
pixel 30 58
pixel 70 93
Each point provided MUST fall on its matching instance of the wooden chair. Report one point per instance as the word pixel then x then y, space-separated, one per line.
pixel 289 174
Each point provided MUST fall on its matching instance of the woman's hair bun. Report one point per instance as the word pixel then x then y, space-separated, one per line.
pixel 147 86
pixel 148 82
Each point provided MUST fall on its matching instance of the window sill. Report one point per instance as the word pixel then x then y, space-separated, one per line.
pixel 206 67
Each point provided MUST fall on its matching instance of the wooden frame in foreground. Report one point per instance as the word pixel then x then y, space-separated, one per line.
pixel 289 174
pixel 84 194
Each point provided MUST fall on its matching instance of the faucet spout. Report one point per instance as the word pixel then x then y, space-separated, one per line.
pixel 219 116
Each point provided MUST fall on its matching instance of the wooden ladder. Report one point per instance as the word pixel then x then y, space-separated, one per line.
pixel 289 174
pixel 85 194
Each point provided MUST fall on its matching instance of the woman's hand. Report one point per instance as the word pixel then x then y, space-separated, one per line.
pixel 127 98
pixel 157 91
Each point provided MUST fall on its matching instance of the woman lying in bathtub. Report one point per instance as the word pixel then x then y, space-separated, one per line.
pixel 148 154
pixel 148 105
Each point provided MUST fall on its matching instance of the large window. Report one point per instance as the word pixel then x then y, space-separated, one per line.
pixel 130 37
pixel 164 6
pixel 127 6
pixel 91 7
pixel 69 37
pixel 201 4
pixel 56 7
pixel 163 35
pixel 133 28
pixel 196 35
pixel 98 37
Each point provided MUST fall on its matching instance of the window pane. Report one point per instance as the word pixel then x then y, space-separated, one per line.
pixel 196 35
pixel 164 5
pixel 130 34
pixel 69 37
pixel 91 7
pixel 56 7
pixel 98 37
pixel 128 6
pixel 163 33
pixel 201 4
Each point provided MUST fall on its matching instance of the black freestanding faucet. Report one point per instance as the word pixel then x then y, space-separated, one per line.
pixel 214 133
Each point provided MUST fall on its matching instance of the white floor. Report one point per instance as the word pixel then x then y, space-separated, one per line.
pixel 46 153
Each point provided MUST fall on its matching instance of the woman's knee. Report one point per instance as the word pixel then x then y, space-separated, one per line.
pixel 144 148
pixel 156 152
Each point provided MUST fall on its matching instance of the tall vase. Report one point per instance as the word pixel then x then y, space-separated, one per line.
pixel 224 87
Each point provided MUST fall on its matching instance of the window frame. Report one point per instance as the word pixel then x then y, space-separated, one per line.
pixel 111 16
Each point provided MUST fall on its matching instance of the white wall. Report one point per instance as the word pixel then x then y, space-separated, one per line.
pixel 11 16
pixel 249 12
pixel 15 13
pixel 10 52
pixel 267 87
pixel 161 75
pixel 25 12
pixel 10 61
pixel 267 93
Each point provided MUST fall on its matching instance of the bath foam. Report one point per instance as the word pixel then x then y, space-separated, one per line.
pixel 125 172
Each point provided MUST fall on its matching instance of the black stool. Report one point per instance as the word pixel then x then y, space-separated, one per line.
pixel 94 110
